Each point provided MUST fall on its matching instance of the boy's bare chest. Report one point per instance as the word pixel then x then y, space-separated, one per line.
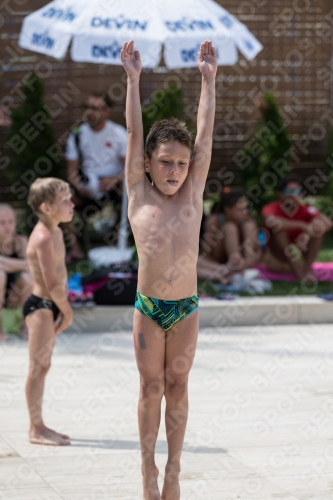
pixel 59 251
pixel 59 247
pixel 166 225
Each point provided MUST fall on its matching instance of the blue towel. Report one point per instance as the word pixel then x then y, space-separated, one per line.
pixel 75 283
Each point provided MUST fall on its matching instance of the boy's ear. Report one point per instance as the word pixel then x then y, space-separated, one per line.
pixel 46 208
pixel 146 163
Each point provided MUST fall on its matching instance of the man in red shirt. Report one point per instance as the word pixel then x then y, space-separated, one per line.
pixel 296 230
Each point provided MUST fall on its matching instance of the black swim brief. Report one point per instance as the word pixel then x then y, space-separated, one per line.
pixel 33 303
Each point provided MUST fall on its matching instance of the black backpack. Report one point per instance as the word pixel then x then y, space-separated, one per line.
pixel 120 288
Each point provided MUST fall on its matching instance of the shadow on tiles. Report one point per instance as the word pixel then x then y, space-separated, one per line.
pixel 119 444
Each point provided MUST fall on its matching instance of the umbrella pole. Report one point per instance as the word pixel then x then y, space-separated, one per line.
pixel 123 230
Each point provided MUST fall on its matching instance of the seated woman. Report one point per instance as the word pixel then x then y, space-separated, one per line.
pixel 15 279
pixel 230 243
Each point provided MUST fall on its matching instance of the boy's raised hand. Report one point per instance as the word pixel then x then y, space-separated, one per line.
pixel 131 60
pixel 207 60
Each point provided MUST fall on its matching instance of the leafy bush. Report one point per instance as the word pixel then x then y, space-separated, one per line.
pixel 32 147
pixel 265 155
pixel 165 103
pixel 31 137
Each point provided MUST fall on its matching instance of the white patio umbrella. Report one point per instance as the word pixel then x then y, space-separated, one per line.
pixel 99 29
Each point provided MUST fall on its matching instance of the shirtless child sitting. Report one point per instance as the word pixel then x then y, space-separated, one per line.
pixel 165 216
pixel 47 310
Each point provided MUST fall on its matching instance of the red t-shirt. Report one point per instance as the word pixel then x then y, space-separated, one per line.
pixel 304 213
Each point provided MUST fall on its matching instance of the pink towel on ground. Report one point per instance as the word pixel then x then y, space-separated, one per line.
pixel 323 271
pixel 95 285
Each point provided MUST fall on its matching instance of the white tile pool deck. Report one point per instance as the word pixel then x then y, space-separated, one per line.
pixel 260 425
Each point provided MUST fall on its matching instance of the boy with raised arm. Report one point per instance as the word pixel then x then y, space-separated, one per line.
pixel 165 216
pixel 47 310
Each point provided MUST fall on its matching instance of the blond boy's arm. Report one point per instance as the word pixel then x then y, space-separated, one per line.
pixel 56 289
pixel 207 63
pixel 134 166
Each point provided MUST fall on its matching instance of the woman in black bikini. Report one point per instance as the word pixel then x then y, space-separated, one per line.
pixel 15 279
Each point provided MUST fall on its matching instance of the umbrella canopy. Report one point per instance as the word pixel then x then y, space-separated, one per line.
pixel 99 29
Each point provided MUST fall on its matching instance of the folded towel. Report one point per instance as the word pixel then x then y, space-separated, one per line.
pixel 323 271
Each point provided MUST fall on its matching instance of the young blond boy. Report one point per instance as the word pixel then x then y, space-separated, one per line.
pixel 165 216
pixel 47 310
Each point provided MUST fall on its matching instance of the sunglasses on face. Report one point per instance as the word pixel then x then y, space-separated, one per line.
pixel 94 108
pixel 294 192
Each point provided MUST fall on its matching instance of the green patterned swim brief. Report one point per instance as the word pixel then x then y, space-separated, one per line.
pixel 166 313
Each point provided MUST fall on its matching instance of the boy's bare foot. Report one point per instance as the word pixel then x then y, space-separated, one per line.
pixel 149 481
pixel 64 436
pixel 47 437
pixel 171 487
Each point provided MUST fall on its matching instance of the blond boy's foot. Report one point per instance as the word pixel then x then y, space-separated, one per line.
pixel 171 487
pixel 149 482
pixel 64 436
pixel 47 437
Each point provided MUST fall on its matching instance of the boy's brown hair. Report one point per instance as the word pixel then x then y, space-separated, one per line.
pixel 45 190
pixel 166 131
